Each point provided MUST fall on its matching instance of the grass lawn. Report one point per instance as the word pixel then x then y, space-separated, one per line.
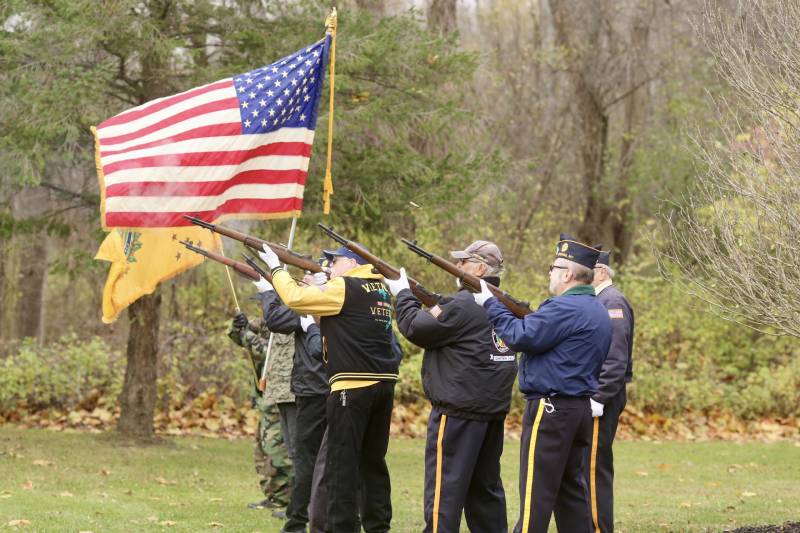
pixel 83 482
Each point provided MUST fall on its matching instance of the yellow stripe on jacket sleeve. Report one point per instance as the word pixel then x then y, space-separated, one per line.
pixel 309 300
pixel 593 473
pixel 526 516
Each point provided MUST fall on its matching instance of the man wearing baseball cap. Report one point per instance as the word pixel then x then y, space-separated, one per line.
pixel 467 374
pixel 564 344
pixel 356 316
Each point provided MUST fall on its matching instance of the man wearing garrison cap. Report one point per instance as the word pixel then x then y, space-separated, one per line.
pixel 563 346
pixel 611 396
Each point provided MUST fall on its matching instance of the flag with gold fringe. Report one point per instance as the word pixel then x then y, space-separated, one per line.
pixel 141 259
pixel 236 148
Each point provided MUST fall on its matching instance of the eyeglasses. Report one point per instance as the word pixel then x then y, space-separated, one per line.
pixel 550 270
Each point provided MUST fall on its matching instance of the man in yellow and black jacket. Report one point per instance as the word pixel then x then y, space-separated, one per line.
pixel 356 315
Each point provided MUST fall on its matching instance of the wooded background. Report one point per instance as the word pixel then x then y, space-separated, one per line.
pixel 665 130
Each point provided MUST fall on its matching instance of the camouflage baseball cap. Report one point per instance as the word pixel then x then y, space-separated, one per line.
pixel 483 251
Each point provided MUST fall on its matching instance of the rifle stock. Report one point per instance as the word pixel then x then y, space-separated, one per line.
pixel 473 283
pixel 384 269
pixel 254 243
pixel 242 269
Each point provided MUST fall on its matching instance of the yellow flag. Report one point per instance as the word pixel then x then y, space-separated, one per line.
pixel 142 258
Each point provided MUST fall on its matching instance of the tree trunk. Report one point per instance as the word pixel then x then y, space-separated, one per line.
pixel 621 216
pixel 442 16
pixel 31 274
pixel 138 396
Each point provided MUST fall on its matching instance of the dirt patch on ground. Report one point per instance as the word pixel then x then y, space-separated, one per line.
pixel 788 527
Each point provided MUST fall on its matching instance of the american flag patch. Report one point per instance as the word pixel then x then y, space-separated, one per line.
pixel 615 314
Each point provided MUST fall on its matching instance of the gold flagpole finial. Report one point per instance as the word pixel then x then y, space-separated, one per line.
pixel 330 21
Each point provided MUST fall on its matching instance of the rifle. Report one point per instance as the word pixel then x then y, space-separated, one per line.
pixel 385 269
pixel 284 254
pixel 242 269
pixel 473 283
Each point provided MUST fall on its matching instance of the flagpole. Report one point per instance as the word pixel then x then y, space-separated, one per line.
pixel 233 292
pixel 327 188
pixel 263 381
pixel 230 279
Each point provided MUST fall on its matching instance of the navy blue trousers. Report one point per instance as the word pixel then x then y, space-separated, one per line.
pixel 600 458
pixel 462 473
pixel 556 434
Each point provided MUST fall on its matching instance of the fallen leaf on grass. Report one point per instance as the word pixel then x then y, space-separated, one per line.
pixel 167 523
pixel 28 485
pixel 686 504
pixel 19 522
pixel 712 484
pixel 215 524
pixel 85 531
pixel 642 474
pixel 664 467
pixel 5 495
pixel 747 494
pixel 152 518
pixel 215 499
pixel 162 481
pixel 42 462
pixel 105 472
pixel 66 494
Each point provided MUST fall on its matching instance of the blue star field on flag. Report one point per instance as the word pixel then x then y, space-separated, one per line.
pixel 285 93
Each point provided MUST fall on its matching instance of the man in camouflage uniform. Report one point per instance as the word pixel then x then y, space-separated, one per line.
pixel 274 437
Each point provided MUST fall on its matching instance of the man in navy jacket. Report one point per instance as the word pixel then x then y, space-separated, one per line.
pixel 611 396
pixel 564 344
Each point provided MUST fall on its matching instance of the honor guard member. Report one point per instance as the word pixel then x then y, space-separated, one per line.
pixel 309 384
pixel 271 452
pixel 563 346
pixel 467 374
pixel 611 396
pixel 356 314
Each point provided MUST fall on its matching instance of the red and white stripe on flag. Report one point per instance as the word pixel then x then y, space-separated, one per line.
pixel 204 152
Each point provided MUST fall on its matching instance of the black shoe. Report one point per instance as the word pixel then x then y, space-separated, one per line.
pixel 279 513
pixel 264 504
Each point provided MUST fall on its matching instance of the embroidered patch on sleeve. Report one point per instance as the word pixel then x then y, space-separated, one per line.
pixel 615 314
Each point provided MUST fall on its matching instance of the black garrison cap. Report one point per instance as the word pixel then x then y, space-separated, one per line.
pixel 583 254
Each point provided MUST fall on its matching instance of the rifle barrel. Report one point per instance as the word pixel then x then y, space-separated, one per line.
pixel 240 268
pixel 254 243
pixel 518 307
pixel 385 269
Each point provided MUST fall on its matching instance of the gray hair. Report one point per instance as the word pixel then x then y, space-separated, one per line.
pixel 493 271
pixel 608 269
pixel 580 272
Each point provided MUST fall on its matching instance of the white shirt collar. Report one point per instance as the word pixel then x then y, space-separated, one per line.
pixel 606 284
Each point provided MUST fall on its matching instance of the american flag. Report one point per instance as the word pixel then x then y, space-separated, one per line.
pixel 236 148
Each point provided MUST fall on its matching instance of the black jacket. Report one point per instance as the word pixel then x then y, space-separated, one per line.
pixel 309 377
pixel 467 371
pixel 618 367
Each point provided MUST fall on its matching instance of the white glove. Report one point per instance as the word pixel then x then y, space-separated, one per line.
pixel 320 279
pixel 597 408
pixel 485 294
pixel 306 321
pixel 397 285
pixel 262 285
pixel 269 257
